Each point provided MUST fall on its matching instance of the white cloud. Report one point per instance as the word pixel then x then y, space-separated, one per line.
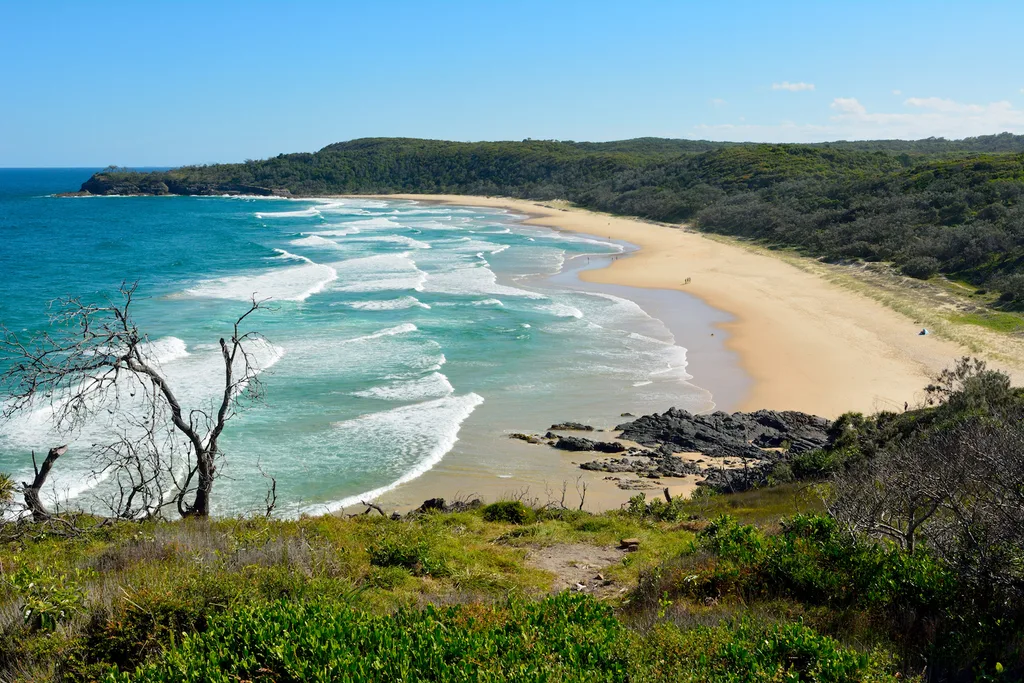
pixel 848 105
pixel 919 117
pixel 897 92
pixel 926 117
pixel 717 102
pixel 792 87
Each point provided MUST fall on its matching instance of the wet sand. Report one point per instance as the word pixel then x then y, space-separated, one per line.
pixel 774 336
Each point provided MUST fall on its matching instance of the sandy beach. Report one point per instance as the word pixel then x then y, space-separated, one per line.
pixel 807 344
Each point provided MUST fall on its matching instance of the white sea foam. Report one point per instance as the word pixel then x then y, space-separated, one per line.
pixel 434 385
pixel 283 255
pixel 377 222
pixel 380 273
pixel 488 302
pixel 579 239
pixel 467 245
pixel 300 213
pixel 164 350
pixel 316 241
pixel 389 304
pixel 411 438
pixel 291 283
pixel 404 240
pixel 561 310
pixel 623 314
pixel 350 203
pixel 404 328
pixel 470 281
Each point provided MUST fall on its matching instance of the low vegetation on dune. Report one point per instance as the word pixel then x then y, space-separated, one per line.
pixel 927 207
pixel 896 554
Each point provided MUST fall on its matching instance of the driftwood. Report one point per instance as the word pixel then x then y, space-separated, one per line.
pixel 372 506
pixel 31 491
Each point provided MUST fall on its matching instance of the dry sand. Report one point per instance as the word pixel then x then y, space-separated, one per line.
pixel 808 344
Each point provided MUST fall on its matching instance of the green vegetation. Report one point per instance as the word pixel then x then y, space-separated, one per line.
pixel 369 598
pixel 1009 323
pixel 928 206
pixel 895 553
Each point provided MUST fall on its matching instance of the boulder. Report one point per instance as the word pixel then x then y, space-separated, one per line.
pixel 629 544
pixel 571 427
pixel 574 443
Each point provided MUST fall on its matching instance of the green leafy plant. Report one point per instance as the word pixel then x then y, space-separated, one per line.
pixel 48 597
pixel 509 511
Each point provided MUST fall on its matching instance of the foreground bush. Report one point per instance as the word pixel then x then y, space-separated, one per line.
pixel 563 638
pixel 910 599
pixel 511 511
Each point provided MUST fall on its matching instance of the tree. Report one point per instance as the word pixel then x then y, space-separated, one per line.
pixel 95 361
pixel 955 484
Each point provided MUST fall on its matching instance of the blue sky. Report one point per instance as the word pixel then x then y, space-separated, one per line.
pixel 146 83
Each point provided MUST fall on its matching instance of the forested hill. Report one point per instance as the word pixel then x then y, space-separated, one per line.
pixel 928 206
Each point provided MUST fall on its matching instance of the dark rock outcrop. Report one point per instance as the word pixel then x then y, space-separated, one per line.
pixel 440 505
pixel 571 427
pixel 574 443
pixel 639 465
pixel 578 443
pixel 651 464
pixel 722 435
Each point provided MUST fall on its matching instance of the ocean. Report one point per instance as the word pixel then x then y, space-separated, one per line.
pixel 401 333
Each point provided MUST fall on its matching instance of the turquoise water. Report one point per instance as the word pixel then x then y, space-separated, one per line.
pixel 397 328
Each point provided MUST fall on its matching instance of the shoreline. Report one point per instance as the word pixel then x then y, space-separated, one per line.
pixel 806 343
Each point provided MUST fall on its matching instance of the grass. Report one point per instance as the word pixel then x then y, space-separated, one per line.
pixel 997 321
pixel 170 600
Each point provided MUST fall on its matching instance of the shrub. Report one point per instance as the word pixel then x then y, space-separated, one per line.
pixel 663 510
pixel 566 637
pixel 750 651
pixel 410 547
pixel 49 598
pixel 921 267
pixel 1011 287
pixel 509 511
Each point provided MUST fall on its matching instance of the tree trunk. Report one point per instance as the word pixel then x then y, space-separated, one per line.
pixel 205 470
pixel 31 491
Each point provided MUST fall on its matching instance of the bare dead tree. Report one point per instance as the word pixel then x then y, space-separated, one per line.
pixel 581 489
pixel 270 501
pixel 95 360
pixel 33 502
